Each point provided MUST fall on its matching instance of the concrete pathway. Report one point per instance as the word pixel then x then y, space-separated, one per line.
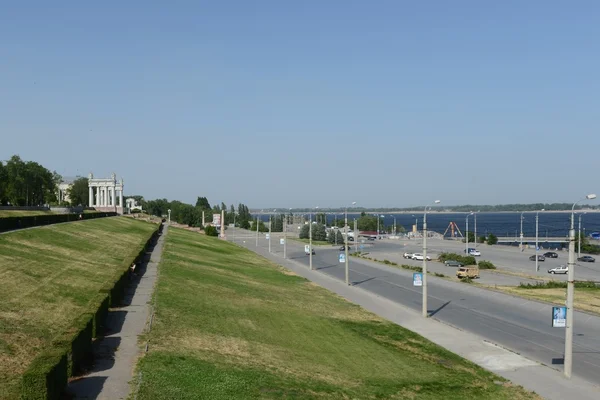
pixel 545 381
pixel 116 354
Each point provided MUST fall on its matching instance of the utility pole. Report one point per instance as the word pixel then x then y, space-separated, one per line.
pixel 270 232
pixel 475 229
pixel 346 244
pixel 424 311
pixel 355 234
pixel 537 265
pixel 579 237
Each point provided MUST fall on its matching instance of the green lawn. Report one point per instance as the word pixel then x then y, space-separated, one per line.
pixel 48 275
pixel 231 325
pixel 23 213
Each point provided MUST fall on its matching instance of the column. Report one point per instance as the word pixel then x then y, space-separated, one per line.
pixel 91 197
pixel 102 197
pixel 113 196
pixel 121 198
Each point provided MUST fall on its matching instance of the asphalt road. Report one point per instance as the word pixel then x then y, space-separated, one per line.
pixel 523 326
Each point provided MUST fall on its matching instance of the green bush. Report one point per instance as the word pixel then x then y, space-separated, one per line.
pixel 486 265
pixel 492 239
pixel 412 268
pixel 464 260
pixel 46 376
pixel 211 231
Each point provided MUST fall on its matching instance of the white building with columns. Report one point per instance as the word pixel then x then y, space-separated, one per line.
pixel 106 194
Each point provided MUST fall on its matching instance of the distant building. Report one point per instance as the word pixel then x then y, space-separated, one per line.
pixel 63 190
pixel 132 205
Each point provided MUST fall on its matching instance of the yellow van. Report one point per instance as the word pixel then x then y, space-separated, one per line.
pixel 468 272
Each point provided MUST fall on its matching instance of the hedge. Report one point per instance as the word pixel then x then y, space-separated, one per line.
pixel 69 352
pixel 13 223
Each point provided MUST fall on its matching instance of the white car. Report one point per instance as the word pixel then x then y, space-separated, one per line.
pixel 419 257
pixel 474 253
pixel 563 269
pixel 408 255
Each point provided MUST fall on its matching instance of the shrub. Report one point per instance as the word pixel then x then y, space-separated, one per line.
pixel 486 265
pixel 211 231
pixel 492 239
pixel 464 260
pixel 558 285
pixel 412 268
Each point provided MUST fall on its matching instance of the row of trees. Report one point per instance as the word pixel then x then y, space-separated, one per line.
pixel 27 183
pixel 191 215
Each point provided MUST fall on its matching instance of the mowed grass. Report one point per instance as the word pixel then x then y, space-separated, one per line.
pixel 48 276
pixel 23 213
pixel 231 325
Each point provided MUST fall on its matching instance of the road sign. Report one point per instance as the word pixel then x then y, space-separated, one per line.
pixel 281 241
pixel 342 258
pixel 268 236
pixel 306 248
pixel 559 317
pixel 417 279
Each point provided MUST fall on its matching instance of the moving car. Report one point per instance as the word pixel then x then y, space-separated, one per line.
pixel 586 259
pixel 343 248
pixel 468 272
pixel 540 258
pixel 473 252
pixel 306 252
pixel 419 257
pixel 408 255
pixel 551 254
pixel 452 263
pixel 563 269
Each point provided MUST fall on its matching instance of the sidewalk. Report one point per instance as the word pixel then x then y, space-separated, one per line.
pixel 547 382
pixel 116 354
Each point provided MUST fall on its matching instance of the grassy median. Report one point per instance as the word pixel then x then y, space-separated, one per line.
pixel 232 325
pixel 48 276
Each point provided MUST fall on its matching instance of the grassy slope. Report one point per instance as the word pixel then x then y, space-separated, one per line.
pixel 23 213
pixel 48 276
pixel 230 325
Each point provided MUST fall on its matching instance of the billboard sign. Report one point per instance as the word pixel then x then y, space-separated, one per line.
pixel 217 219
pixel 417 279
pixel 559 317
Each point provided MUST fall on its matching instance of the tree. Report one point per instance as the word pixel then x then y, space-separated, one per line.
pixel 79 192
pixel 492 239
pixel 261 227
pixel 471 237
pixel 481 239
pixel 211 231
pixel 28 183
pixel 3 183
pixel 202 203
pixel 335 236
pixel 367 223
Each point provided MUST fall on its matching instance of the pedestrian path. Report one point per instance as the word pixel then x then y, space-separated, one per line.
pixel 116 354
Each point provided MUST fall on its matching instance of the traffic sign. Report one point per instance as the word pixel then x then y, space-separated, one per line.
pixel 342 258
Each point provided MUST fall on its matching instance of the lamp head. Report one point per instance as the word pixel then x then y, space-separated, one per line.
pixel 353 203
pixel 591 196
pixel 437 202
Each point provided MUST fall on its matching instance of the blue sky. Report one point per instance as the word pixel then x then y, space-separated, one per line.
pixel 303 103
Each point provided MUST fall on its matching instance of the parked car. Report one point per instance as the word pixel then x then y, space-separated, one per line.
pixel 563 269
pixel 540 258
pixel 473 252
pixel 419 257
pixel 551 254
pixel 468 272
pixel 452 263
pixel 408 255
pixel 586 259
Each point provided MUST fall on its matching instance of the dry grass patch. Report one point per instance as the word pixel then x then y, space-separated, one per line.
pixel 585 299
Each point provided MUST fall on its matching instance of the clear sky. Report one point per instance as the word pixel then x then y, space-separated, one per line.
pixel 313 102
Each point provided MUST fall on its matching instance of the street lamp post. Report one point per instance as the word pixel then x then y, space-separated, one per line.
pixel 346 243
pixel 521 235
pixel 467 236
pixel 169 211
pixel 425 313
pixel 310 239
pixel 537 266
pixel 257 223
pixel 475 216
pixel 568 361
pixel 285 234
pixel 234 214
pixel 579 237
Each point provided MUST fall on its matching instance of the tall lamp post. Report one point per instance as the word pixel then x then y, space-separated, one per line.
pixel 257 223
pixel 537 224
pixel 346 242
pixel 579 237
pixel 425 313
pixel 310 239
pixel 467 237
pixel 570 291
pixel 169 211
pixel 475 216
pixel 521 235
pixel 234 214
pixel 285 234
pixel 270 223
